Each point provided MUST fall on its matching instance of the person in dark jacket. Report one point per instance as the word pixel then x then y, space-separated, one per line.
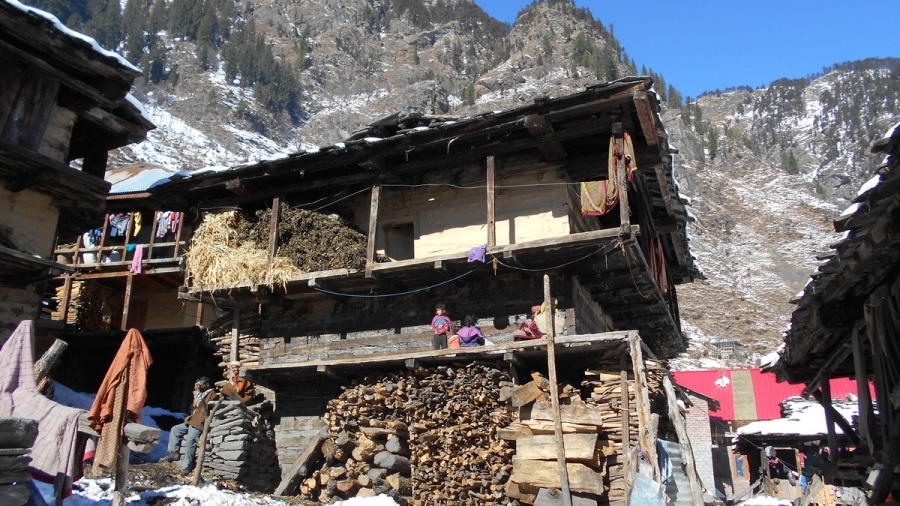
pixel 470 335
pixel 192 426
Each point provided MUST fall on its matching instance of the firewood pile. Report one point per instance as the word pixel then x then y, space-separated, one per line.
pixel 449 435
pixel 427 436
pixel 91 307
pixel 17 436
pixel 219 333
pixel 241 446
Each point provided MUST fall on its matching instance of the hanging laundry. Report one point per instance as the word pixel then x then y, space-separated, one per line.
pixel 137 224
pixel 174 221
pixel 118 224
pixel 476 254
pixel 162 223
pixel 138 259
pixel 599 197
pixel 658 264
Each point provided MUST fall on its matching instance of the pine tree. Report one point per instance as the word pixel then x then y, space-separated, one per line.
pixel 675 100
pixel 712 143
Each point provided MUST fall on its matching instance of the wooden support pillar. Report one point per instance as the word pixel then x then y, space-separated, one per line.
pixel 554 397
pixel 864 399
pixel 121 476
pixel 646 437
pixel 273 229
pixel 687 452
pixel 235 335
pixel 373 226
pixel 45 363
pixel 198 319
pixel 129 281
pixel 153 227
pixel 621 176
pixel 825 400
pixel 66 298
pixel 491 213
pixel 177 249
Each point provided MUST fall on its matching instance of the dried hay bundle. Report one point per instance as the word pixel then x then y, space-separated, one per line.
pixel 218 259
pixel 313 241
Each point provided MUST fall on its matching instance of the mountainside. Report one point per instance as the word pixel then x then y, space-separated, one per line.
pixel 767 169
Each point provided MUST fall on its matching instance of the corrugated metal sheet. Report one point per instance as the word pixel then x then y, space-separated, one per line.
pixel 138 177
pixel 739 397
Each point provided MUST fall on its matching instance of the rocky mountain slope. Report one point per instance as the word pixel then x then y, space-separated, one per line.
pixel 767 169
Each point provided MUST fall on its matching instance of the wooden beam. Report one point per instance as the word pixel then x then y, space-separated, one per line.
pixel 642 399
pixel 537 126
pixel 273 228
pixel 825 401
pixel 373 227
pixel 491 213
pixel 236 187
pixel 687 452
pixel 66 297
pixel 864 398
pixel 332 373
pixel 646 117
pixel 837 357
pixel 127 302
pixel 554 396
pixel 235 334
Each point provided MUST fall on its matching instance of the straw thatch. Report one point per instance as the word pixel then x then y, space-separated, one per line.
pixel 218 259
pixel 230 250
pixel 313 241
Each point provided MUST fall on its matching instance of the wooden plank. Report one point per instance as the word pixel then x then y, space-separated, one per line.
pixel 864 398
pixel 646 117
pixel 491 218
pixel 373 227
pixel 273 228
pixel 552 497
pixel 540 473
pixel 543 447
pixel 554 396
pixel 302 466
pixel 687 451
pixel 646 439
pixel 127 301
pixel 571 413
pixel 235 335
pixel 525 394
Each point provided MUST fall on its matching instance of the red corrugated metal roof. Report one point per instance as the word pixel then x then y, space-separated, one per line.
pixel 767 392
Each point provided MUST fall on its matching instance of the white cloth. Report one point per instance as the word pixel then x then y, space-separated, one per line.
pixel 55 448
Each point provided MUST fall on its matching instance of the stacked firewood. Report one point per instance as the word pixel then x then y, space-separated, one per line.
pixel 427 436
pixel 17 435
pixel 240 446
pixel 219 333
pixel 605 391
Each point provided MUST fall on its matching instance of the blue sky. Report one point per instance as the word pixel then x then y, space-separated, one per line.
pixel 704 45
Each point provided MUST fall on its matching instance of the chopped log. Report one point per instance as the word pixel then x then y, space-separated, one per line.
pixel 301 466
pixel 545 474
pixel 525 394
pixel 578 413
pixel 543 447
pixel 45 363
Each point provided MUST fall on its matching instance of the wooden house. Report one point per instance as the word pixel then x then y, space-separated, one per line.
pixel 125 272
pixel 570 201
pixel 845 325
pixel 63 105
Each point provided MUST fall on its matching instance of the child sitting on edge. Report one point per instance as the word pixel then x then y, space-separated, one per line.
pixel 441 324
pixel 470 335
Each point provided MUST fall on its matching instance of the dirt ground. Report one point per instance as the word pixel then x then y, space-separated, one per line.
pixel 147 476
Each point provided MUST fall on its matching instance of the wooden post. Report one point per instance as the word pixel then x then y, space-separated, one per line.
pixel 121 476
pixel 621 175
pixel 373 225
pixel 45 363
pixel 687 453
pixel 201 444
pixel 153 226
pixel 491 213
pixel 103 238
pixel 66 297
pixel 198 319
pixel 646 437
pixel 125 305
pixel 864 399
pixel 832 463
pixel 273 229
pixel 178 229
pixel 554 398
pixel 235 334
